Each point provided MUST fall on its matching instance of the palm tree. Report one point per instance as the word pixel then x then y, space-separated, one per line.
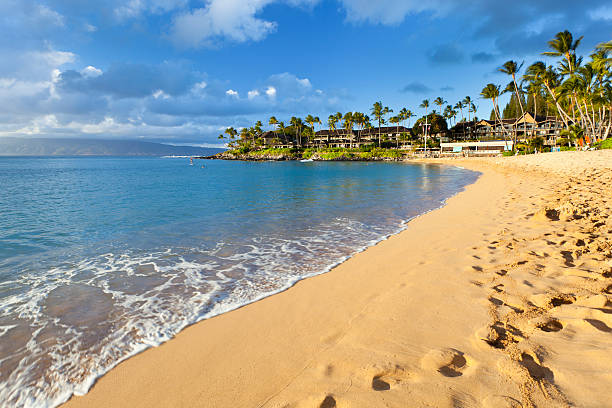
pixel 403 115
pixel 512 68
pixel 312 120
pixel 448 112
pixel 459 105
pixel 439 101
pixel 221 137
pixel 539 72
pixel 348 126
pixel 273 121
pixel 379 111
pixel 282 129
pixel 563 45
pixel 454 116
pixel 231 134
pixel 425 105
pixel 473 108
pixel 396 119
pixel 409 115
pixel 492 92
pixel 297 124
pixel 466 104
pixel 331 121
pixel 533 90
pixel 360 120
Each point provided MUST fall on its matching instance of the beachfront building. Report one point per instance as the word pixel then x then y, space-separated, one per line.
pixel 356 138
pixel 278 140
pixel 335 138
pixel 526 127
pixel 481 148
pixel 547 127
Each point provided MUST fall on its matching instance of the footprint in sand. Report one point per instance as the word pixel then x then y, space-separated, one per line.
pixel 537 371
pixel 378 384
pixel 448 362
pixel 551 326
pixel 500 336
pixel 383 381
pixel 328 402
pixel 562 300
pixel 599 325
pixel 498 288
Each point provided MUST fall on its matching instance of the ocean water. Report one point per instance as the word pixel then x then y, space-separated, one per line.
pixel 101 258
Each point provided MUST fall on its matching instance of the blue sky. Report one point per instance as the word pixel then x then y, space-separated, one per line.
pixel 180 71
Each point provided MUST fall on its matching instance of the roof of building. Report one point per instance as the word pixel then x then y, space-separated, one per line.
pixel 385 129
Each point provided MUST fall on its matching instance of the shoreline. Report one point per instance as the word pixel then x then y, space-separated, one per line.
pixel 255 355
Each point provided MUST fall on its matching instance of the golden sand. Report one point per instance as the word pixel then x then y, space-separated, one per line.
pixel 502 298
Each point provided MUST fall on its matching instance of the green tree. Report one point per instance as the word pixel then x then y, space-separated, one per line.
pixel 512 68
pixel 435 124
pixel 273 121
pixel 297 125
pixel 564 45
pixel 425 105
pixel 396 120
pixel 312 121
pixel 348 126
pixel 492 92
pixel 231 135
pixel 379 112
pixel 459 105
pixel 439 101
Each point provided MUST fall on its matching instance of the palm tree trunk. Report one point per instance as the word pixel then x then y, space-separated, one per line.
pixel 535 114
pixel 591 122
pixel 498 117
pixel 559 108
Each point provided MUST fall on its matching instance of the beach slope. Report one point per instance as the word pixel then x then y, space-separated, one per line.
pixel 502 298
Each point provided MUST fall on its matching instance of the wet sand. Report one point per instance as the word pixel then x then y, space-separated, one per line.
pixel 502 298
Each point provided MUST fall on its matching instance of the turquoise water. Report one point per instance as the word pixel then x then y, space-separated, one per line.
pixel 101 258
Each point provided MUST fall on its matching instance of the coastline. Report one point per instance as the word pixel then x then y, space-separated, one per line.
pixel 402 319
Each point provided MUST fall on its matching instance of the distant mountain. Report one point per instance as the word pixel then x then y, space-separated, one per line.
pixel 11 146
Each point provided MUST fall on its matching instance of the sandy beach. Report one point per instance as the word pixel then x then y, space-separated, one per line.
pixel 502 298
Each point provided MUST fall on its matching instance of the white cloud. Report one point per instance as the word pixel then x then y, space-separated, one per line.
pixel 601 13
pixel 39 125
pixel 231 92
pixel 253 94
pixel 135 8
pixel 52 58
pixel 225 20
pixel 234 20
pixel 52 16
pixel 91 72
pixel 271 91
pixel 392 11
pixel 108 125
pixel 129 10
pixel 160 94
pixel 304 82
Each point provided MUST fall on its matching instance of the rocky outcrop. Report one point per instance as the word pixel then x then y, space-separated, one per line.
pixel 324 156
pixel 252 156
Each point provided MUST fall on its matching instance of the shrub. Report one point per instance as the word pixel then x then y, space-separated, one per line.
pixel 307 153
pixel 604 144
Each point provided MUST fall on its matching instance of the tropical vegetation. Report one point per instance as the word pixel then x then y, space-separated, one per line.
pixel 575 91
